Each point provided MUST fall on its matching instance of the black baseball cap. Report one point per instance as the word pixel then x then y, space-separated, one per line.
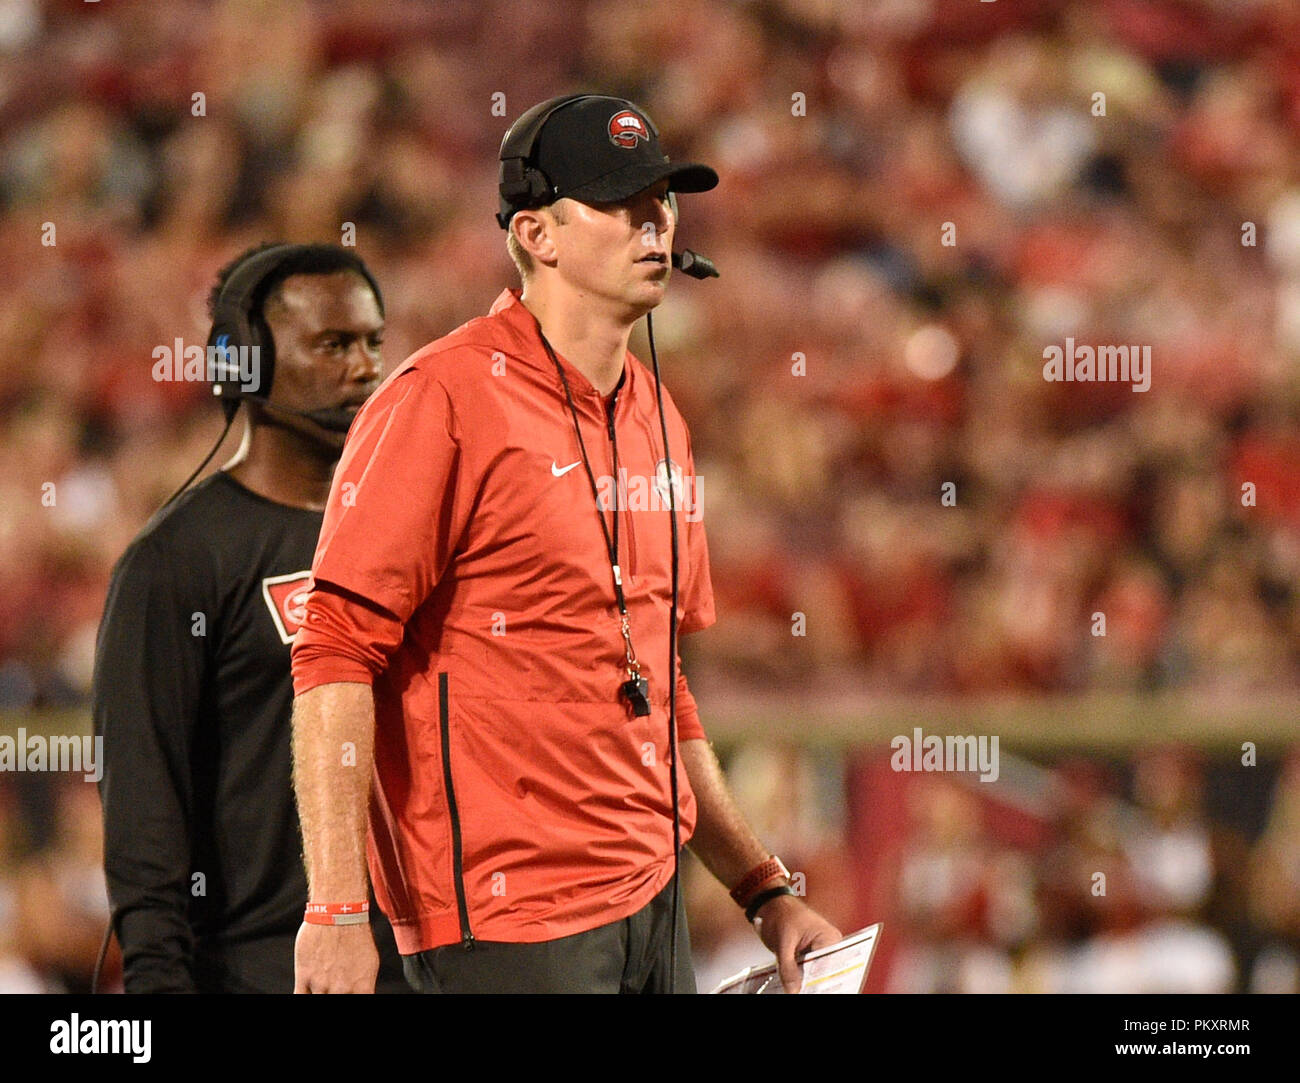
pixel 591 148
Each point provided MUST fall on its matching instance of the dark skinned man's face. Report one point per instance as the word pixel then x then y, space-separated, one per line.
pixel 327 331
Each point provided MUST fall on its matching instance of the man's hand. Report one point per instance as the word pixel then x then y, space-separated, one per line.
pixel 335 959
pixel 789 928
pixel 729 849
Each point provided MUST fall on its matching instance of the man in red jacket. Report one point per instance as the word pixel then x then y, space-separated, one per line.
pixel 488 627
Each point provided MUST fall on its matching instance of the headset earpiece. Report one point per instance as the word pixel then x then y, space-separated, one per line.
pixel 236 334
pixel 520 184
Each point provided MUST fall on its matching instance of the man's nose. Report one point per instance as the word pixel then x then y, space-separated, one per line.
pixel 666 218
pixel 657 221
pixel 365 362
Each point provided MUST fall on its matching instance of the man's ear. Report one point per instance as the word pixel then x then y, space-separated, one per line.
pixel 535 232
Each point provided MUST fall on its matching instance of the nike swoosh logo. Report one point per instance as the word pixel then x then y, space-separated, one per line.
pixel 559 472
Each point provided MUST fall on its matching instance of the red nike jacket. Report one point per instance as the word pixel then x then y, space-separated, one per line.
pixel 461 570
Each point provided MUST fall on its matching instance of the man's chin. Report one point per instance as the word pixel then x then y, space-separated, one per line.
pixel 651 294
pixel 335 419
pixel 327 440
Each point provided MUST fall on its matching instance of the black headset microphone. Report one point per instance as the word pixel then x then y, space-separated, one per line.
pixel 523 185
pixel 334 418
pixel 693 264
pixel 700 267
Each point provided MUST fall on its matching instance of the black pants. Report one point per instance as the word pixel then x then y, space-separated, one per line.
pixel 627 956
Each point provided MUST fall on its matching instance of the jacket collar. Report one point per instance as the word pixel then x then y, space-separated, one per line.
pixel 511 311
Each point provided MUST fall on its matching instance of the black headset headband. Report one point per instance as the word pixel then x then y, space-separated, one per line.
pixel 521 185
pixel 234 326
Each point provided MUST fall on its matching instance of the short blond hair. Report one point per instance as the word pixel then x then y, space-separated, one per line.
pixel 522 260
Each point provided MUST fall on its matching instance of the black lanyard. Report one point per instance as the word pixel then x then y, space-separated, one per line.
pixel 635 689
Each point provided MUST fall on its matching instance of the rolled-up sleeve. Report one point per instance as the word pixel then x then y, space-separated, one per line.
pixel 391 525
pixel 689 727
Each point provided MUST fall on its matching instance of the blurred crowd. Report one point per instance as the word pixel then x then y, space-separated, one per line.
pixel 1176 873
pixel 918 197
pixel 848 365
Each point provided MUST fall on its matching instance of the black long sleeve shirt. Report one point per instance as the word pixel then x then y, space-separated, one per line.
pixel 192 694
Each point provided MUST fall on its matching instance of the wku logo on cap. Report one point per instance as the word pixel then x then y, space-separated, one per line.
pixel 286 597
pixel 626 128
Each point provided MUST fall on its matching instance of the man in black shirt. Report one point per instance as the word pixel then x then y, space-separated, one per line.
pixel 192 690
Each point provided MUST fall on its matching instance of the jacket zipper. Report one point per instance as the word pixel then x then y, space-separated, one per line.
pixel 444 725
pixel 627 518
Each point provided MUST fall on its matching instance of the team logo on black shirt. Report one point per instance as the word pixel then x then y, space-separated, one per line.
pixel 286 597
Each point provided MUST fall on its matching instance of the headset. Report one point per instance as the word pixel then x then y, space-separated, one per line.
pixel 235 327
pixel 523 186
pixel 237 331
pixel 520 184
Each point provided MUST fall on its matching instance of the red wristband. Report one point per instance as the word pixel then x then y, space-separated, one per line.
pixel 337 913
pixel 759 877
